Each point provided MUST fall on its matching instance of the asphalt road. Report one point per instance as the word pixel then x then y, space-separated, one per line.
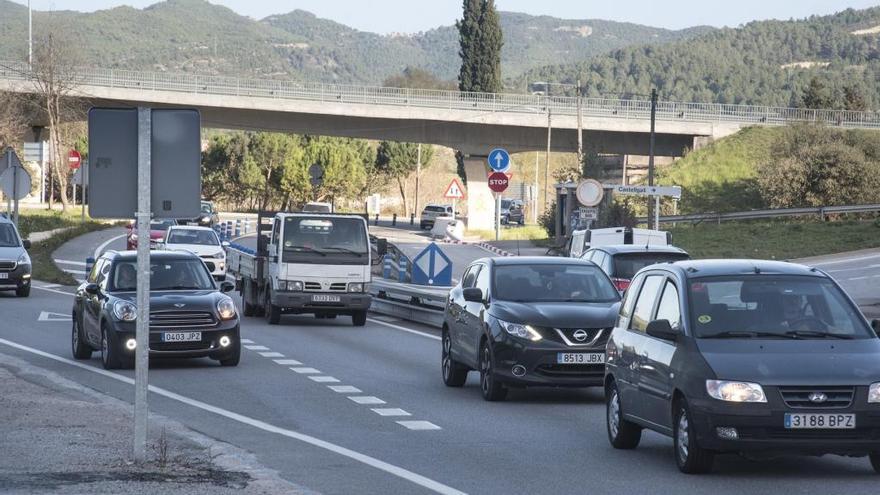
pixel 349 440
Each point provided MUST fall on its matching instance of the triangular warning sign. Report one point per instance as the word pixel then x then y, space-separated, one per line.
pixel 454 190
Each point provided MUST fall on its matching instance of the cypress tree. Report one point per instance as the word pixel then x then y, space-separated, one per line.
pixel 490 41
pixel 469 31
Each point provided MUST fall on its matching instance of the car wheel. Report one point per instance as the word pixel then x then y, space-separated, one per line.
pixel 875 461
pixel 454 374
pixel 233 358
pixel 110 358
pixel 359 318
pixel 690 457
pixel 81 350
pixel 491 388
pixel 622 434
pixel 23 291
pixel 273 313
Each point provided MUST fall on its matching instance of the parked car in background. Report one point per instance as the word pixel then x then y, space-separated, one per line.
pixel 208 216
pixel 201 241
pixel 582 240
pixel 431 212
pixel 15 264
pixel 158 228
pixel 189 315
pixel 622 262
pixel 512 211
pixel 743 356
pixel 528 321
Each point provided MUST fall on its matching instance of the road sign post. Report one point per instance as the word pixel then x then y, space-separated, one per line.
pixel 142 329
pixel 15 182
pixel 655 191
pixel 498 182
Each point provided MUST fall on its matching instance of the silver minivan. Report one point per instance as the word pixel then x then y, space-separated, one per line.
pixel 15 264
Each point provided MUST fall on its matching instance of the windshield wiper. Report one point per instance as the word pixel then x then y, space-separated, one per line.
pixel 818 335
pixel 747 334
pixel 346 250
pixel 306 248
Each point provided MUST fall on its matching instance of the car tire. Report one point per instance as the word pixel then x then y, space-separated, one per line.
pixel 875 461
pixel 111 357
pixel 81 350
pixel 454 374
pixel 247 308
pixel 272 312
pixel 622 434
pixel 359 318
pixel 491 388
pixel 234 357
pixel 23 291
pixel 690 457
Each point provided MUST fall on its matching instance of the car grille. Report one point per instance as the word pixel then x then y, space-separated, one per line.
pixel 181 319
pixel 571 370
pixel 334 287
pixel 835 397
pixel 7 266
pixel 592 337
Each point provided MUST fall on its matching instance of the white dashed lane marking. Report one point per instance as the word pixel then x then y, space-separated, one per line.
pixel 323 379
pixel 369 399
pixel 305 371
pixel 287 362
pixel 257 347
pixel 419 425
pixel 344 389
pixel 247 341
pixel 271 354
pixel 391 412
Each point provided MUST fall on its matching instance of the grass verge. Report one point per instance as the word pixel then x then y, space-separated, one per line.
pixel 510 233
pixel 776 239
pixel 44 268
pixel 34 220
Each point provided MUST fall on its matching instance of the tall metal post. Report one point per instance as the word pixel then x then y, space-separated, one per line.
pixel 535 194
pixel 580 151
pixel 15 192
pixel 497 216
pixel 547 167
pixel 85 181
pixel 651 149
pixel 418 178
pixel 142 335
pixel 30 37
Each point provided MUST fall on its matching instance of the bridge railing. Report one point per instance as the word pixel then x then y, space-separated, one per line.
pixel 452 100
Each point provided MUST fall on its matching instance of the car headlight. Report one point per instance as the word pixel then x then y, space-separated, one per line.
pixel 24 259
pixel 226 309
pixel 358 287
pixel 290 285
pixel 874 393
pixel 125 311
pixel 735 391
pixel 521 331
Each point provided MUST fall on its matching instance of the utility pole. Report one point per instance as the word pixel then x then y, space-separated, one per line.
pixel 535 194
pixel 580 151
pixel 30 37
pixel 142 329
pixel 418 177
pixel 547 167
pixel 651 151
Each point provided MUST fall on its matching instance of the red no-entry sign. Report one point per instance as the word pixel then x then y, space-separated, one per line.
pixel 498 182
pixel 74 159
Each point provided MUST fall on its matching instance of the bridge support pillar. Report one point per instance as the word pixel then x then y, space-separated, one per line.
pixel 480 201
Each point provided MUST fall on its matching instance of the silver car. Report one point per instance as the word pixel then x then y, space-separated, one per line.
pixel 15 264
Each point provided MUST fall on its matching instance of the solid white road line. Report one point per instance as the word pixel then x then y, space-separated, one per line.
pixel 256 347
pixel 261 425
pixel 404 329
pixel 419 425
pixel 846 260
pixel 103 246
pixel 48 289
pixel 305 371
pixel 859 278
pixel 323 379
pixel 344 389
pixel 247 341
pixel 391 412
pixel 73 263
pixel 271 354
pixel 287 362
pixel 74 272
pixel 366 400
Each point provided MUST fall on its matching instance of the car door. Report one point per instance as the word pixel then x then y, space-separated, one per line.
pixel 655 379
pixel 92 303
pixel 636 341
pixel 472 319
pixel 622 357
pixel 455 308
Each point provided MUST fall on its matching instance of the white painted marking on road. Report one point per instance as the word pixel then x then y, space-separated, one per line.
pixel 50 316
pixel 860 268
pixel 305 371
pixel 324 379
pixel 256 423
pixel 344 389
pixel 247 341
pixel 48 286
pixel 67 262
pixel 47 289
pixel 75 272
pixel 859 278
pixel 391 412
pixel 419 425
pixel 287 362
pixel 369 399
pixel 404 329
pixel 256 347
pixel 103 246
pixel 847 260
pixel 271 354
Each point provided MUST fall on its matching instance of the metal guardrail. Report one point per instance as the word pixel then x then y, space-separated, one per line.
pixel 822 212
pixel 411 302
pixel 441 99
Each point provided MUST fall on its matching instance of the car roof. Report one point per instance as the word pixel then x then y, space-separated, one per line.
pixel 190 227
pixel 154 255
pixel 535 260
pixel 639 248
pixel 720 268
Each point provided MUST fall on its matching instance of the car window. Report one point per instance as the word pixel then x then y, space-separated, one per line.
pixel 470 278
pixel 626 265
pixel 102 275
pixel 96 269
pixel 483 280
pixel 276 226
pixel 8 236
pixel 645 303
pixel 629 300
pixel 193 237
pixel 669 308
pixel 599 258
pixel 174 274
pixel 531 283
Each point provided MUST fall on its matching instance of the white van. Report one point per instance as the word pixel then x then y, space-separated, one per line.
pixel 582 240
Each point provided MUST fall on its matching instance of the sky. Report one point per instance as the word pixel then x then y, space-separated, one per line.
pixel 420 15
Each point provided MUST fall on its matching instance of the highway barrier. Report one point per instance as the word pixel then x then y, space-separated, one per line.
pixel 822 212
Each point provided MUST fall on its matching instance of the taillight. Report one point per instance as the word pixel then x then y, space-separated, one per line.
pixel 621 283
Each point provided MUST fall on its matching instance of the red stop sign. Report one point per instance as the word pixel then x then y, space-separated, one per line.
pixel 74 159
pixel 498 182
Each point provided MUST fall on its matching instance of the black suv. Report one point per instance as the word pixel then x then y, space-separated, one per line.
pixel 189 316
pixel 740 356
pixel 526 322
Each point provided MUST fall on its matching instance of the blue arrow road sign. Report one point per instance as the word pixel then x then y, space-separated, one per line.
pixel 499 160
pixel 432 267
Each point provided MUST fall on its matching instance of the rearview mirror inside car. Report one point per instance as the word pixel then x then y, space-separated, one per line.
pixel 661 329
pixel 473 295
pixel 227 286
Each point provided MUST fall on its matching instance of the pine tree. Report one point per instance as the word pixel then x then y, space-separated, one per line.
pixel 817 95
pixel 469 30
pixel 490 41
pixel 854 98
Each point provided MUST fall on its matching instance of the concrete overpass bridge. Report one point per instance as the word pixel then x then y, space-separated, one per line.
pixel 471 122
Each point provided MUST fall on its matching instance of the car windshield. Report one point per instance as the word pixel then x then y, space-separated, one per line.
pixel 552 283
pixel 161 224
pixel 771 306
pixel 325 235
pixel 177 274
pixel 435 209
pixel 626 265
pixel 192 236
pixel 8 237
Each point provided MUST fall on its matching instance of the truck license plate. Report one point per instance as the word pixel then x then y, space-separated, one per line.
pixel 182 337
pixel 797 421
pixel 580 358
pixel 323 298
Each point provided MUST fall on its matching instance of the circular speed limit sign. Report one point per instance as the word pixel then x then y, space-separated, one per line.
pixel 590 192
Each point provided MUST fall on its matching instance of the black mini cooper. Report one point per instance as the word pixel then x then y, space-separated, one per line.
pixel 189 315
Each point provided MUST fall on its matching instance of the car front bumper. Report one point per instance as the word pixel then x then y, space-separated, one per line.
pixel 305 302
pixel 18 278
pixel 208 346
pixel 542 368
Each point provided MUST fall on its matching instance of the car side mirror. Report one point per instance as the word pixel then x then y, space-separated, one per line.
pixel 382 246
pixel 226 286
pixel 225 244
pixel 92 289
pixel 662 329
pixel 472 294
pixel 26 243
